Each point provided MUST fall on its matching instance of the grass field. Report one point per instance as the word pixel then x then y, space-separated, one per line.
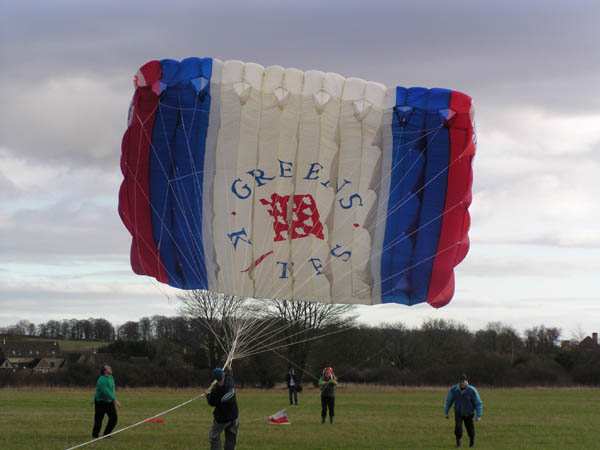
pixel 366 418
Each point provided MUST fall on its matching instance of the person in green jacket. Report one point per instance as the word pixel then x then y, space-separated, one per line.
pixel 327 384
pixel 105 402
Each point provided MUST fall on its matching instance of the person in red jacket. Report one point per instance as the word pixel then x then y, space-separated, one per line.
pixel 327 384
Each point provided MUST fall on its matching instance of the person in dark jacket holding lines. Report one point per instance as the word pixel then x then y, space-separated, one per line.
pixel 222 397
pixel 104 402
pixel 292 385
pixel 466 403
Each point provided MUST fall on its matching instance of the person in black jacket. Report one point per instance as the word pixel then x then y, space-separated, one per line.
pixel 292 384
pixel 222 397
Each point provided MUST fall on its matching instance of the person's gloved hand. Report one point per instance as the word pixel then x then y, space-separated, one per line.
pixel 478 419
pixel 447 416
pixel 210 388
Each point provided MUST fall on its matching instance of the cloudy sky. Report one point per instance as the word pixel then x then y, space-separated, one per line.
pixel 532 68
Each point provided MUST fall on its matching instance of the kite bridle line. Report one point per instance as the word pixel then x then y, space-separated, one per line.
pixel 228 362
pixel 140 422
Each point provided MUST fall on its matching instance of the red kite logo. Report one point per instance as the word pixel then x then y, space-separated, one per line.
pixel 305 217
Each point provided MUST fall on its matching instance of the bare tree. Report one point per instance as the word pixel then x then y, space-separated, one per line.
pixel 21 327
pixel 498 337
pixel 87 328
pixel 443 342
pixel 160 326
pixel 211 315
pixel 102 330
pixel 31 329
pixel 396 344
pixel 129 331
pixel 145 328
pixel 53 327
pixel 302 322
pixel 65 329
pixel 541 340
pixel 578 334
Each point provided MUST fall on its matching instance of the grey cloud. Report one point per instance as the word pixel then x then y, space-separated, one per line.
pixel 586 238
pixel 60 231
pixel 542 56
pixel 557 239
pixel 593 155
pixel 521 313
pixel 70 121
pixel 38 304
pixel 8 190
pixel 525 264
pixel 465 45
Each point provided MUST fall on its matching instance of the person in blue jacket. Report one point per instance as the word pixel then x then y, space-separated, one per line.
pixel 466 404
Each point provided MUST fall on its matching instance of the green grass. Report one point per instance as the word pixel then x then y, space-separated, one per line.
pixel 366 418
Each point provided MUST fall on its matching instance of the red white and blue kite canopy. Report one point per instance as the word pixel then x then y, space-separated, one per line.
pixel 276 183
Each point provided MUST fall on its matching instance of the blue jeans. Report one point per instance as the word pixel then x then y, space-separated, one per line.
pixel 230 428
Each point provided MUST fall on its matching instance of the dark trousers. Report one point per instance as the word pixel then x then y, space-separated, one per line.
pixel 101 409
pixel 292 390
pixel 327 402
pixel 458 423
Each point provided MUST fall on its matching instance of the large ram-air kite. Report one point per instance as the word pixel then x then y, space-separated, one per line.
pixel 277 183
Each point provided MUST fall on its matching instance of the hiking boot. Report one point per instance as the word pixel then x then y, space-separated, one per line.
pixel 457 443
pixel 472 443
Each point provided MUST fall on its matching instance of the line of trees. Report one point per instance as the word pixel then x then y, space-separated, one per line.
pixel 182 350
pixel 439 350
pixel 98 329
